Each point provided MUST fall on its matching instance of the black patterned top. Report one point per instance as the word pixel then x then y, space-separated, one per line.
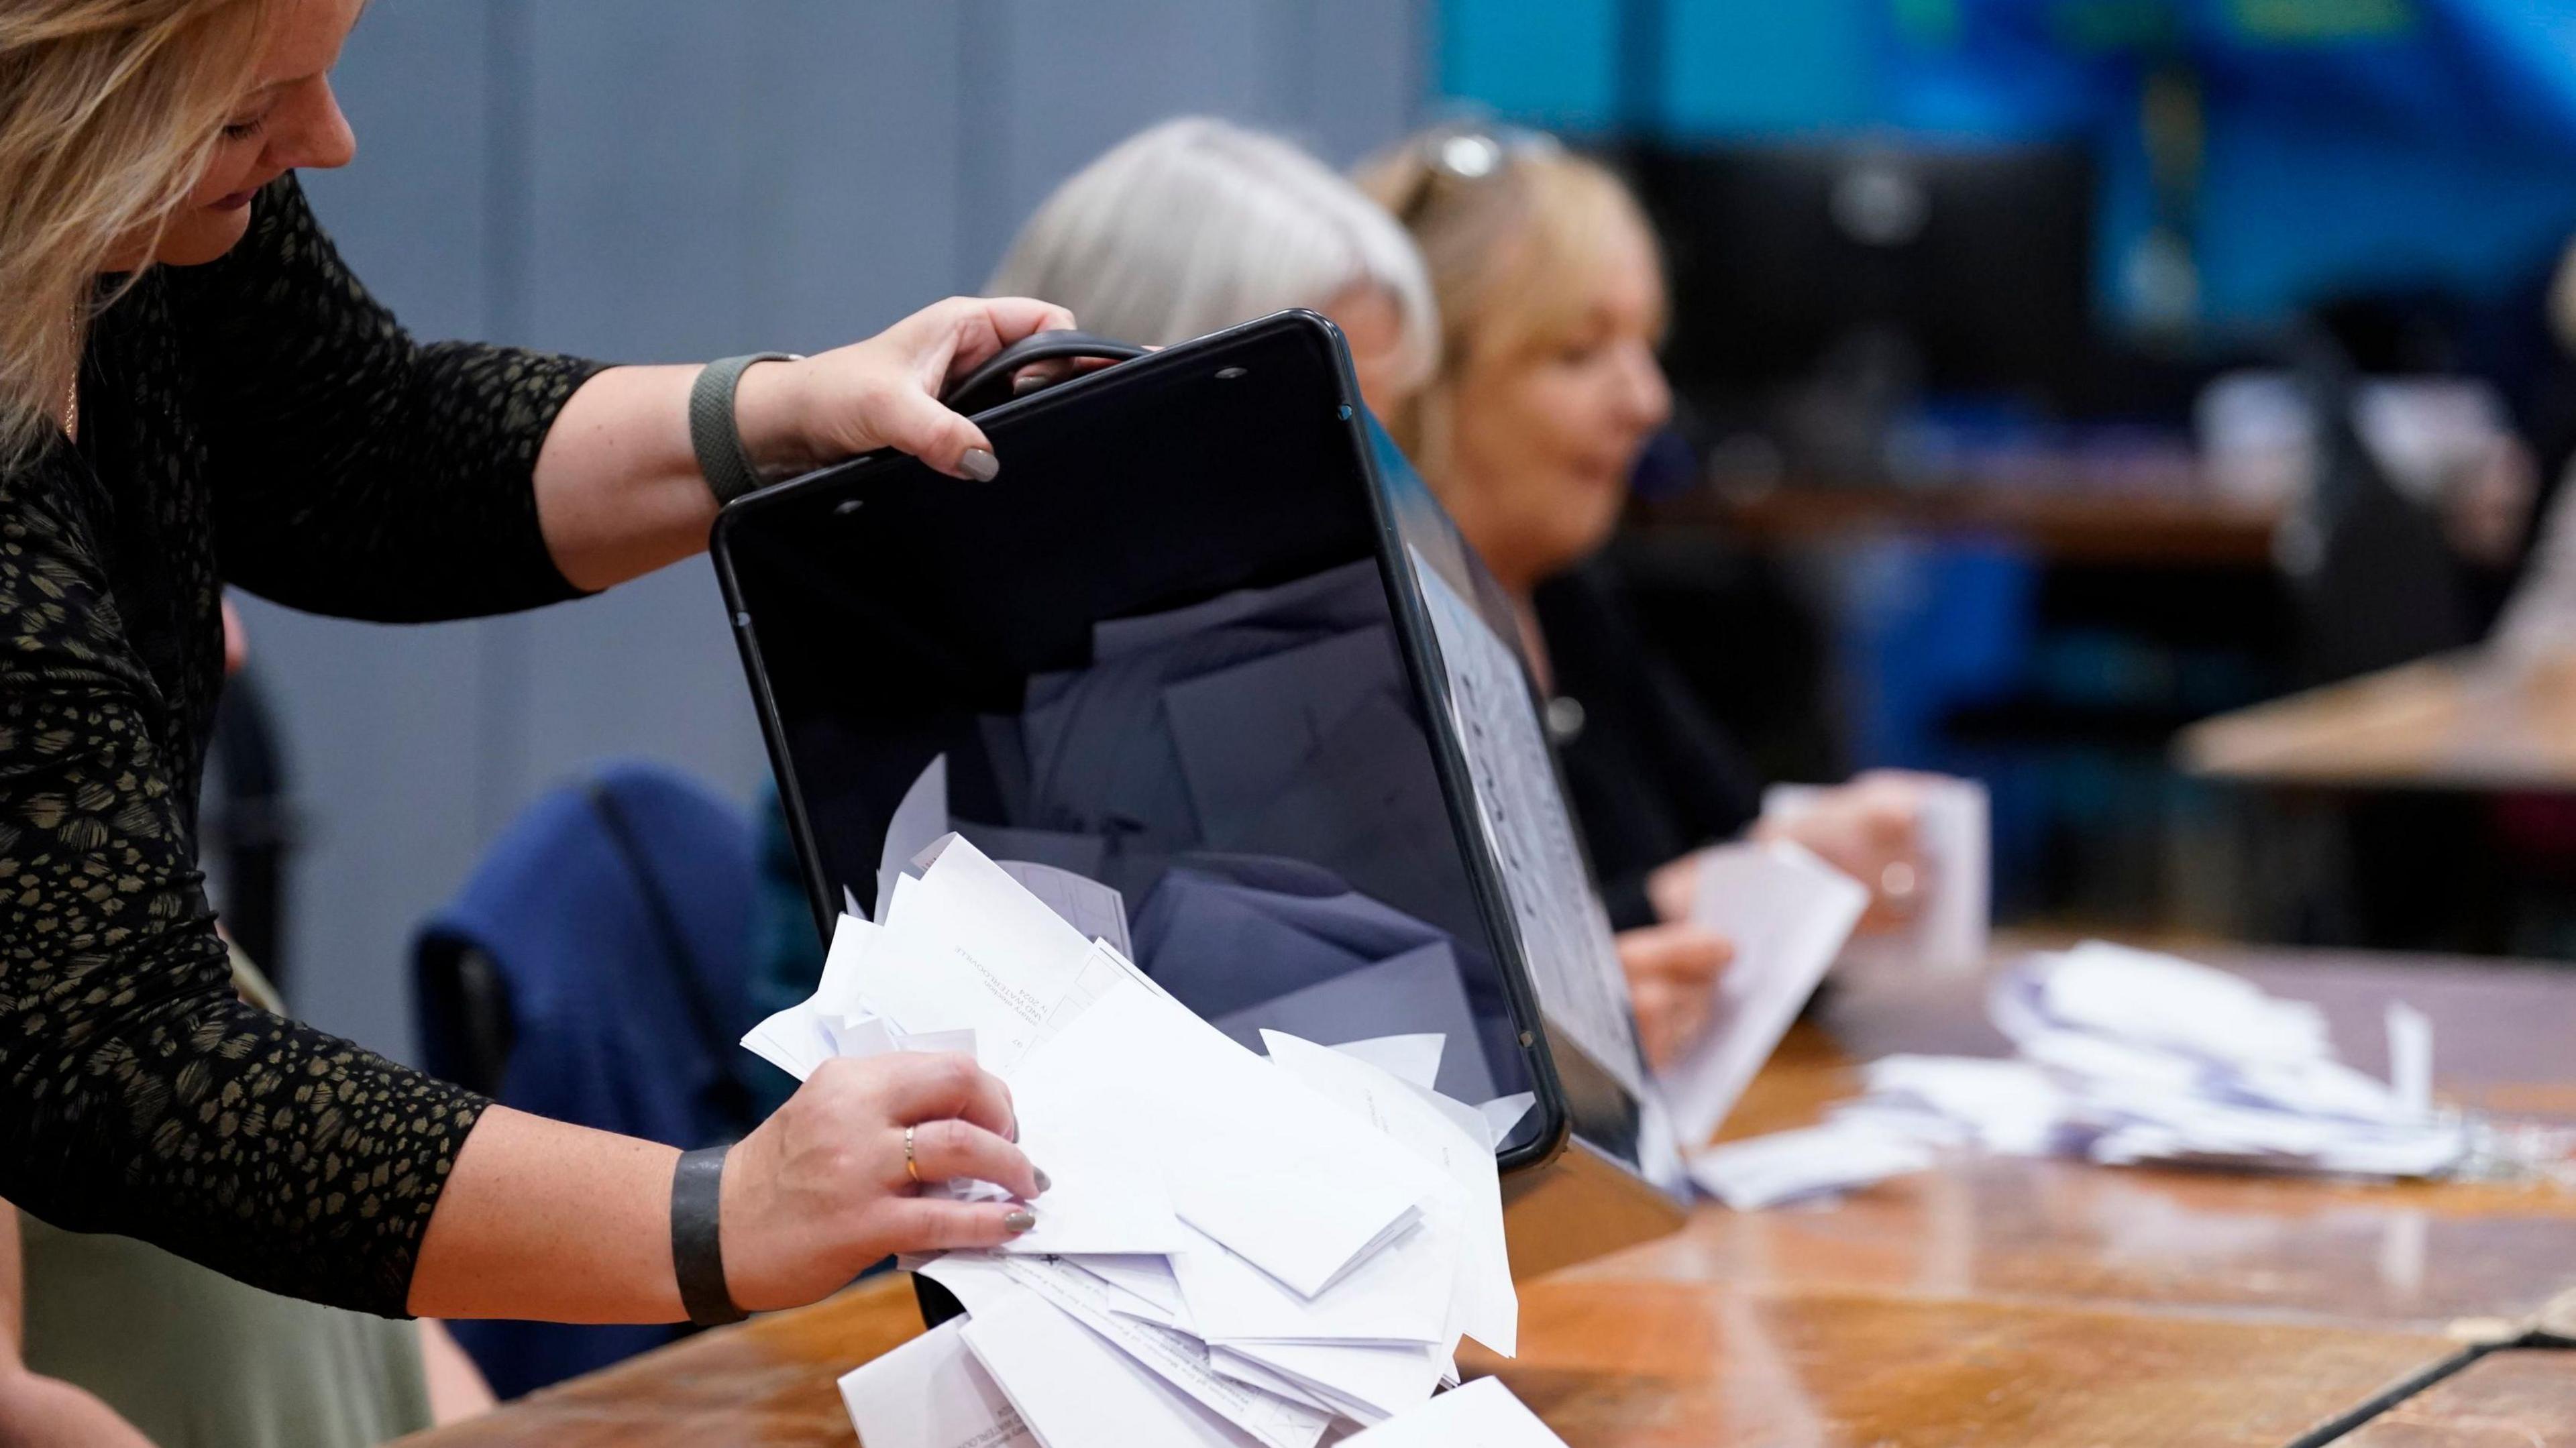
pixel 259 421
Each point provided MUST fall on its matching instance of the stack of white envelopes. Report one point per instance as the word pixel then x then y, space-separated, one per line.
pixel 1234 1249
pixel 2124 1056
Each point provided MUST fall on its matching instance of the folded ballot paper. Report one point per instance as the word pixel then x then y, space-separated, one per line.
pixel 1238 1247
pixel 1787 913
pixel 2123 1056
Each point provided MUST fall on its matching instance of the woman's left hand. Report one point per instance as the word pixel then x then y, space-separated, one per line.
pixel 884 392
pixel 1672 983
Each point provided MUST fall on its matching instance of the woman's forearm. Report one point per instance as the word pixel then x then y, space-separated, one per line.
pixel 619 493
pixel 544 1220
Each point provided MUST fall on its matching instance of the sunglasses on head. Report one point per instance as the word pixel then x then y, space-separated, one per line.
pixel 1470 154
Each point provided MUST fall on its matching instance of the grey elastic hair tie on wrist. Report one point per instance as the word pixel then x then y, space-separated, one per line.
pixel 697 1245
pixel 713 434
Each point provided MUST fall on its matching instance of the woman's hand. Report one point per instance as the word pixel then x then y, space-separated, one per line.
pixel 819 1191
pixel 619 491
pixel 559 1223
pixel 49 1413
pixel 884 392
pixel 1870 829
pixel 1672 981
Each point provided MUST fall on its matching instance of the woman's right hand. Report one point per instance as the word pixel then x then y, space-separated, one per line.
pixel 1870 828
pixel 818 1191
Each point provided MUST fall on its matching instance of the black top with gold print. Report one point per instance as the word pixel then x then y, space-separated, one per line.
pixel 260 421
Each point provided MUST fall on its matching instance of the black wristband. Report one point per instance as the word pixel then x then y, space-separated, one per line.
pixel 713 435
pixel 697 1247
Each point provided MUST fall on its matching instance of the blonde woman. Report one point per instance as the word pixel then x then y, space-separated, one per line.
pixel 1551 296
pixel 194 391
pixel 1197 224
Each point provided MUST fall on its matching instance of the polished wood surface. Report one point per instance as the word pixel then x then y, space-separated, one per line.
pixel 2506 1400
pixel 1673 1367
pixel 1986 1302
pixel 2459 721
pixel 2066 524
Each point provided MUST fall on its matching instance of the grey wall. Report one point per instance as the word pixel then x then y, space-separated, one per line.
pixel 668 180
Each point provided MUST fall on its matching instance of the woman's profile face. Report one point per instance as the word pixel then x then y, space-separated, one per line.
pixel 1544 436
pixel 288 120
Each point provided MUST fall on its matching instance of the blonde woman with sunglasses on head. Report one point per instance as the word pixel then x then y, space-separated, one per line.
pixel 1551 295
pixel 193 392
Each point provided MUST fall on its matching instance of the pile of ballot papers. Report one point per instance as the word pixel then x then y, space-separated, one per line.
pixel 2124 1056
pixel 1236 1248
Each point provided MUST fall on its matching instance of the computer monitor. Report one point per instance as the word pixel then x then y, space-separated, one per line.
pixel 1209 640
pixel 1976 260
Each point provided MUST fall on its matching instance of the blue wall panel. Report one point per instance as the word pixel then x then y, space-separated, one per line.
pixel 1752 67
pixel 1552 63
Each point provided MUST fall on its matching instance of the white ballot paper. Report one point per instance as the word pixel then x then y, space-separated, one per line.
pixel 920 818
pixel 1452 1138
pixel 988 1285
pixel 1413 1059
pixel 831 1022
pixel 1258 1143
pixel 1786 1165
pixel 1077 1391
pixel 931 1393
pixel 2125 1056
pixel 1095 911
pixel 1788 914
pixel 967 947
pixel 1361 1381
pixel 1482 1414
pixel 1949 929
pixel 1235 1249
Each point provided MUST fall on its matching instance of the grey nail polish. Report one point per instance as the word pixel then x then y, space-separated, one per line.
pixel 1019 1219
pixel 980 464
pixel 1043 1182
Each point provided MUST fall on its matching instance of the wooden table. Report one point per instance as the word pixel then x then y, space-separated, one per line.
pixel 2465 721
pixel 1987 1302
pixel 2507 1400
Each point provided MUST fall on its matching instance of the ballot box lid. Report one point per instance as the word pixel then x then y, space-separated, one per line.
pixel 1208 640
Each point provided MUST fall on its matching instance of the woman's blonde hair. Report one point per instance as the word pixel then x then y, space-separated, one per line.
pixel 109 112
pixel 1197 224
pixel 1505 221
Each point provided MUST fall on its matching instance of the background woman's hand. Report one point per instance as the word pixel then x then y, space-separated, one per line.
pixel 884 392
pixel 1872 830
pixel 1672 980
pixel 818 1191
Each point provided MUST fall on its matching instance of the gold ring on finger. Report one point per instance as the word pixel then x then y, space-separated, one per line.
pixel 911 1167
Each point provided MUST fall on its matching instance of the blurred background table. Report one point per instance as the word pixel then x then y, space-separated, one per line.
pixel 1987 1302
pixel 2464 721
pixel 2430 805
pixel 2061 524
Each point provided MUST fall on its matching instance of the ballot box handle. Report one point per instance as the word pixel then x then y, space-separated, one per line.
pixel 990 385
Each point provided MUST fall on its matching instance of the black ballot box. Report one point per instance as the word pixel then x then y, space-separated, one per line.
pixel 1209 643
